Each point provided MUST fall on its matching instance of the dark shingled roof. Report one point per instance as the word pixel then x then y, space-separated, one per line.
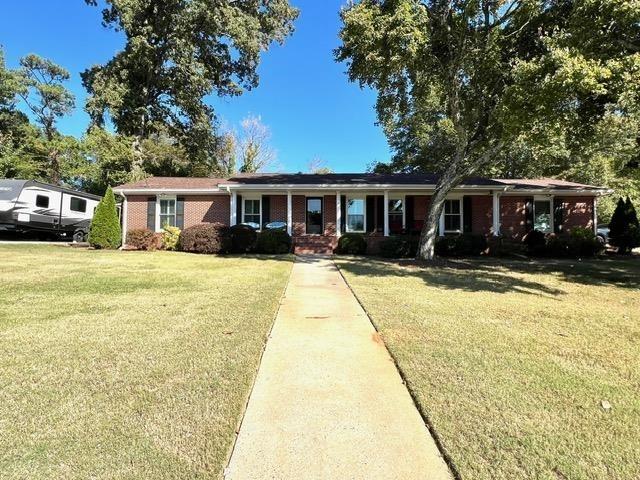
pixel 343 179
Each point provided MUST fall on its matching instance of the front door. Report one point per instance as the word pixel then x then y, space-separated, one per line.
pixel 314 215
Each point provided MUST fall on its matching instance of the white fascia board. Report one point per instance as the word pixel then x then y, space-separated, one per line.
pixel 559 191
pixel 345 187
pixel 169 191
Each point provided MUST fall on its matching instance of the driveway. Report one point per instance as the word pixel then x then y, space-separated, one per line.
pixel 328 401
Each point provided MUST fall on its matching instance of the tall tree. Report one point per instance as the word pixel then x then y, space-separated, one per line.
pixel 459 80
pixel 44 94
pixel 176 53
pixel 256 153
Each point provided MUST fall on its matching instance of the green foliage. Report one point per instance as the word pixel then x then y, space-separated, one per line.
pixel 400 246
pixel 143 239
pixel 579 243
pixel 352 244
pixel 463 245
pixel 176 54
pixel 105 231
pixel 207 238
pixel 624 229
pixel 274 242
pixel 170 238
pixel 243 238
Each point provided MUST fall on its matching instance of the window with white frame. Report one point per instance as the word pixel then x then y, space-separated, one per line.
pixel 251 212
pixel 453 215
pixel 167 212
pixel 396 215
pixel 542 215
pixel 355 214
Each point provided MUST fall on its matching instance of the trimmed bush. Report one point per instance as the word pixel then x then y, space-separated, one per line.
pixel 401 246
pixel 243 238
pixel 144 239
pixel 273 242
pixel 624 228
pixel 579 243
pixel 206 238
pixel 463 245
pixel 170 238
pixel 105 231
pixel 352 244
pixel 536 242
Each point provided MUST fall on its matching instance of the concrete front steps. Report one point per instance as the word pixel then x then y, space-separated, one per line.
pixel 314 244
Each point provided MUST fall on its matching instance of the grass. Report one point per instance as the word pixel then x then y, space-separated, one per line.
pixel 127 365
pixel 510 361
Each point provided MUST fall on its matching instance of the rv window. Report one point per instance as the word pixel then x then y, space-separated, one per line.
pixel 78 204
pixel 42 201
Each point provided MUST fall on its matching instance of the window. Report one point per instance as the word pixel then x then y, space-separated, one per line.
pixel 542 216
pixel 452 216
pixel 355 215
pixel 42 201
pixel 396 215
pixel 78 205
pixel 167 212
pixel 251 212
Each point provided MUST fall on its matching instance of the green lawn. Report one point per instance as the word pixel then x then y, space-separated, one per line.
pixel 127 364
pixel 510 361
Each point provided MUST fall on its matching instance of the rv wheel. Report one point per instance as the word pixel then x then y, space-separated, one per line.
pixel 79 236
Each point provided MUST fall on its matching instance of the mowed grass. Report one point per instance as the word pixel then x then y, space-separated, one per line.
pixel 127 364
pixel 510 361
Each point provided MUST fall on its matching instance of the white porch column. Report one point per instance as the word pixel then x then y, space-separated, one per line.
pixel 338 214
pixel 595 215
pixel 234 208
pixel 125 214
pixel 496 214
pixel 289 213
pixel 386 213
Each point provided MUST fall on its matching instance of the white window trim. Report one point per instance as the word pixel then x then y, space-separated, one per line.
pixel 404 209
pixel 253 197
pixel 545 198
pixel 164 197
pixel 442 222
pixel 364 210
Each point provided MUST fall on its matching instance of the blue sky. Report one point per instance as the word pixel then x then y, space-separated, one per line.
pixel 304 96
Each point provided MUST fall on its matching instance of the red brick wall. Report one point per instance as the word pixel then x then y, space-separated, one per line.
pixel 299 214
pixel 577 212
pixel 481 214
pixel 420 208
pixel 329 208
pixel 278 209
pixel 513 216
pixel 137 212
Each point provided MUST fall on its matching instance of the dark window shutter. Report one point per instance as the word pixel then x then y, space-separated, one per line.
pixel 409 214
pixel 467 223
pixel 151 213
pixel 371 206
pixel 239 219
pixel 180 213
pixel 558 215
pixel 266 210
pixel 343 213
pixel 528 214
pixel 380 213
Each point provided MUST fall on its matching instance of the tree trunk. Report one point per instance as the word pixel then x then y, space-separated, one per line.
pixel 429 234
pixel 54 165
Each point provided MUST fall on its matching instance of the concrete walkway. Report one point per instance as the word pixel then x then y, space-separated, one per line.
pixel 328 402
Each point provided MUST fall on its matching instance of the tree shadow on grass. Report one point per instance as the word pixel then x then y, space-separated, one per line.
pixel 502 276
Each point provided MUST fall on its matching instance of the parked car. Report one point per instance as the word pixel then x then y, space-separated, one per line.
pixel 603 234
pixel 28 206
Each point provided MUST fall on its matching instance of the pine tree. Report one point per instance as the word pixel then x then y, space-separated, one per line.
pixel 633 225
pixel 617 226
pixel 105 229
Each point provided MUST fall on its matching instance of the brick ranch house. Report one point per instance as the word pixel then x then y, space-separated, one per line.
pixel 317 209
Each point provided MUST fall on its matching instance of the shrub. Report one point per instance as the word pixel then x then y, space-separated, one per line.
pixel 205 238
pixel 624 228
pixel 536 242
pixel 105 231
pixel 401 246
pixel 273 242
pixel 352 244
pixel 466 244
pixel 243 238
pixel 171 238
pixel 144 239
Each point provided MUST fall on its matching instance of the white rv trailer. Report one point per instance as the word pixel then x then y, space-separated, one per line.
pixel 32 206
